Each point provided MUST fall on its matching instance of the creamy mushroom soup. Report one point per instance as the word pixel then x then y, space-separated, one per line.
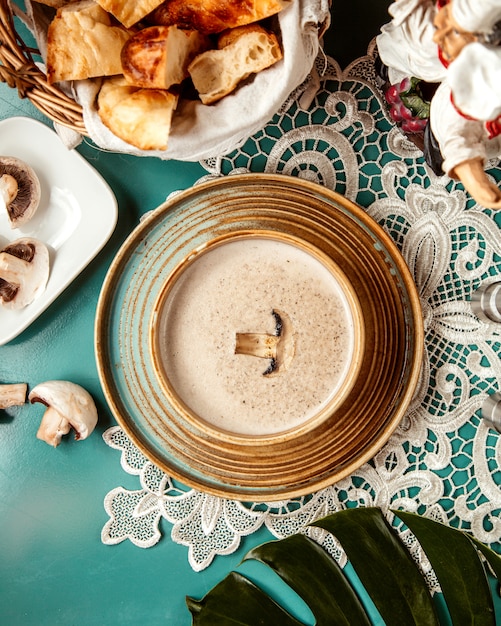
pixel 268 294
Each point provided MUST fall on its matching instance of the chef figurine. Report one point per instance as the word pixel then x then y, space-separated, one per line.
pixel 455 45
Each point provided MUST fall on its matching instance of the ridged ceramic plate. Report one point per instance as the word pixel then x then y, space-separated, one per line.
pixel 259 337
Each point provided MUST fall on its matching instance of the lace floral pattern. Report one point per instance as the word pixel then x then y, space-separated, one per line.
pixel 443 461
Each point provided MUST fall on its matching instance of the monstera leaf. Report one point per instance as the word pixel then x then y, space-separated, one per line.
pixel 384 566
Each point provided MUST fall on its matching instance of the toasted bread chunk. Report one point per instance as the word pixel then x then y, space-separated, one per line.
pixel 158 57
pixel 83 43
pixel 141 117
pixel 55 4
pixel 214 16
pixel 129 12
pixel 245 50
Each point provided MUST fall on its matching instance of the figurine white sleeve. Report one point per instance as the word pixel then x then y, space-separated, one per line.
pixel 475 80
pixel 459 139
pixel 406 44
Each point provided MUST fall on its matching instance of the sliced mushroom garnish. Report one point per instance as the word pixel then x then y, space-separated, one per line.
pixel 12 394
pixel 278 348
pixel 19 190
pixel 24 271
pixel 68 406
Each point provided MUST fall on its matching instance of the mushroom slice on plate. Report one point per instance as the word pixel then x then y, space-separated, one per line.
pixel 24 271
pixel 68 406
pixel 19 190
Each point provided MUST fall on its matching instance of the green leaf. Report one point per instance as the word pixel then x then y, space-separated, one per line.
pixel 384 566
pixel 236 601
pixel 491 557
pixel 416 105
pixel 316 577
pixel 458 568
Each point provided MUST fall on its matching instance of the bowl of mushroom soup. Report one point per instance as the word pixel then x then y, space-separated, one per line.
pixel 259 337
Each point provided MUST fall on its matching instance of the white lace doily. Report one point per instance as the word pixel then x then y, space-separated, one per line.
pixel 443 461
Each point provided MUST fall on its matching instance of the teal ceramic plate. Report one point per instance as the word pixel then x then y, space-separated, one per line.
pixel 206 228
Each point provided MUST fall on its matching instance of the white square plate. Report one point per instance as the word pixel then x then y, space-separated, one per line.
pixel 76 216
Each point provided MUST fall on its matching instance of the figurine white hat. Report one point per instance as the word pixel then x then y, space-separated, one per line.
pixel 476 16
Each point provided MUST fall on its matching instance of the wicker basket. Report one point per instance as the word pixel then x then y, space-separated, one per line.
pixel 19 70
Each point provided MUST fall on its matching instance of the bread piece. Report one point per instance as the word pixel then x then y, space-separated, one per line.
pixel 82 43
pixel 158 57
pixel 141 117
pixel 246 50
pixel 129 12
pixel 214 16
pixel 55 4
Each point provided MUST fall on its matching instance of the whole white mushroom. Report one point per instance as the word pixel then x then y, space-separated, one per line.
pixel 68 406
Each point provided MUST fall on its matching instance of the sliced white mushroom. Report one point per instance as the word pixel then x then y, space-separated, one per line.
pixel 12 394
pixel 24 271
pixel 8 189
pixel 278 348
pixel 19 190
pixel 68 406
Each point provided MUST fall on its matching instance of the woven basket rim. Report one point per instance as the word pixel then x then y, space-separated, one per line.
pixel 19 70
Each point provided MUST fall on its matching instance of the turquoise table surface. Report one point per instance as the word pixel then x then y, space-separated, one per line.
pixel 54 569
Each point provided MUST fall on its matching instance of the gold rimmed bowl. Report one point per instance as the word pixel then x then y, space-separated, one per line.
pixel 259 337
